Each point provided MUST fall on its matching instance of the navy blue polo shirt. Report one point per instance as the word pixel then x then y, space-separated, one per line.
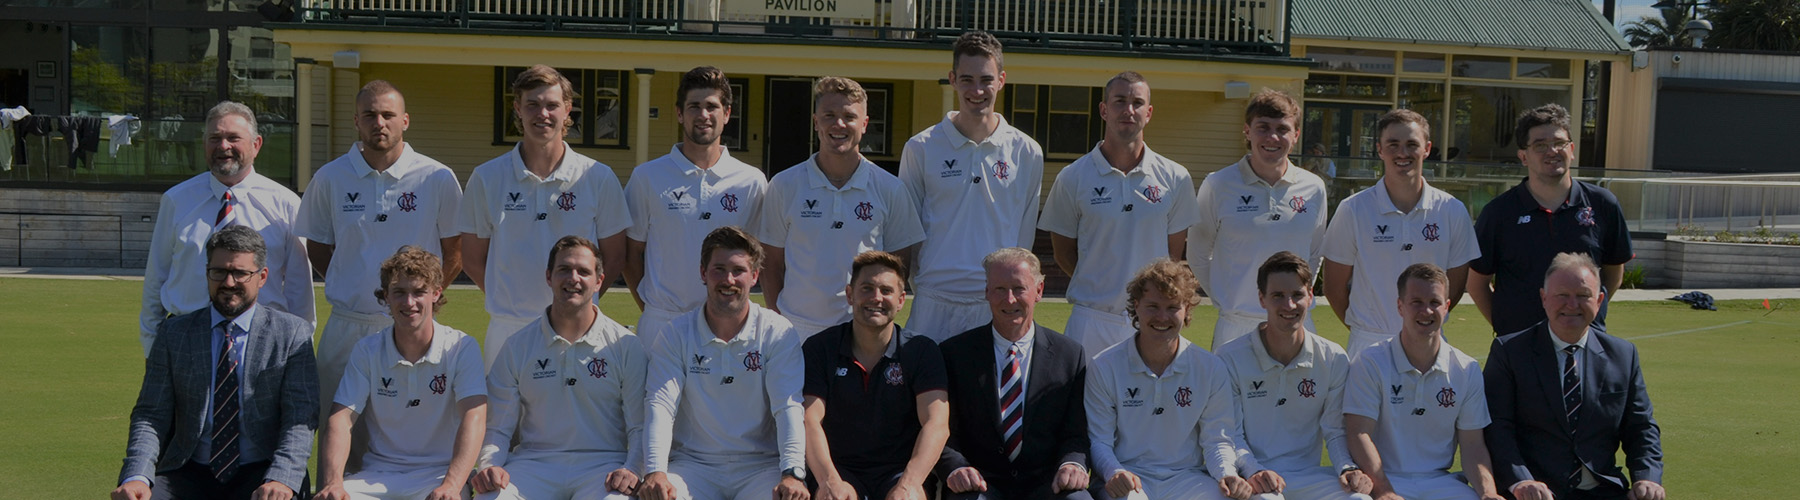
pixel 871 413
pixel 1518 239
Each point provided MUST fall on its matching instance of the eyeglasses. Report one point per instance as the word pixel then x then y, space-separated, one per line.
pixel 1546 147
pixel 219 273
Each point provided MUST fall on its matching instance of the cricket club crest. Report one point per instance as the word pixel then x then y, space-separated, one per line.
pixel 1184 397
pixel 1430 232
pixel 1153 193
pixel 894 375
pixel 437 383
pixel 1298 204
pixel 729 202
pixel 753 361
pixel 1585 217
pixel 566 201
pixel 1447 397
pixel 1002 170
pixel 596 368
pixel 1307 388
pixel 409 202
pixel 865 211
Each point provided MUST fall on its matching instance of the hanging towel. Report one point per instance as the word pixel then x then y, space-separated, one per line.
pixel 122 127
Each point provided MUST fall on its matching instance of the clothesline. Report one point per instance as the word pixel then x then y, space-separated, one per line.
pixel 80 133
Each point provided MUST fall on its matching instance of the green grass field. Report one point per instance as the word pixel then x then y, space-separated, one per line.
pixel 70 366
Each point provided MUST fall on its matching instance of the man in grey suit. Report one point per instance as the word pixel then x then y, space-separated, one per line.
pixel 231 393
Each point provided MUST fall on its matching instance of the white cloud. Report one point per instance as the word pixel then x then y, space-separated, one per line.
pixel 1629 13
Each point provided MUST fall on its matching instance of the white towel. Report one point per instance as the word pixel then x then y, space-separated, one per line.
pixel 122 127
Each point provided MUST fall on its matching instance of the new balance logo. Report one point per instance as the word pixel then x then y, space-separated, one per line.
pixel 1525 219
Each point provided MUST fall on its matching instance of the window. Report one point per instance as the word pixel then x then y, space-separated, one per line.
pixel 1064 120
pixel 1423 62
pixel 1379 62
pixel 1543 68
pixel 1482 119
pixel 733 135
pixel 1498 68
pixel 598 111
pixel 1347 87
pixel 875 139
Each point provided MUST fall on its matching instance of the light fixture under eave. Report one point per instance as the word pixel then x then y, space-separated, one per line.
pixel 346 59
pixel 1237 90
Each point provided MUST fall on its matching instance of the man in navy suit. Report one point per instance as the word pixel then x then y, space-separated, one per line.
pixel 231 394
pixel 1565 397
pixel 1017 427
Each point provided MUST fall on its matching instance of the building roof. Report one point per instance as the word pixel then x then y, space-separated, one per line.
pixel 1565 25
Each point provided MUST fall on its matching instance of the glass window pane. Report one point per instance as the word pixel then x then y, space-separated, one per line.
pixel 1366 86
pixel 1499 68
pixel 733 135
pixel 264 83
pixel 184 78
pixel 1026 122
pixel 875 138
pixel 1543 68
pixel 1024 97
pixel 1353 60
pixel 1483 118
pixel 1426 98
pixel 1324 86
pixel 207 5
pixel 1071 99
pixel 1068 133
pixel 609 106
pixel 1424 62
pixel 106 73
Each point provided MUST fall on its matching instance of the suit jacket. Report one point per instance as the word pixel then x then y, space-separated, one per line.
pixel 1529 437
pixel 1055 420
pixel 280 395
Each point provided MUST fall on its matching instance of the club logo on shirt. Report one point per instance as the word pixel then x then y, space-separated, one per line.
pixel 1153 193
pixel 1381 235
pixel 753 360
pixel 1131 399
pixel 679 193
pixel 386 389
pixel 566 201
pixel 811 211
pixel 1184 397
pixel 513 203
pixel 387 382
pixel 1102 196
pixel 352 196
pixel 894 376
pixel 699 367
pixel 1256 384
pixel 596 368
pixel 1446 397
pixel 438 383
pixel 1298 204
pixel 1307 387
pixel 729 202
pixel 1256 390
pixel 1585 217
pixel 1396 398
pixel 409 202
pixel 543 370
pixel 949 164
pixel 843 371
pixel 1525 219
pixel 350 204
pixel 1002 171
pixel 1430 232
pixel 865 211
pixel 1245 199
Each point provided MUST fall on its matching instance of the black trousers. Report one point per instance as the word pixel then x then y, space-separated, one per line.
pixel 1021 487
pixel 195 481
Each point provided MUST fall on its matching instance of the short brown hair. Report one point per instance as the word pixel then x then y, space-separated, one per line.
pixel 840 86
pixel 540 76
pixel 877 258
pixel 413 262
pixel 1402 115
pixel 977 44
pixel 703 78
pixel 731 238
pixel 573 241
pixel 379 88
pixel 1422 271
pixel 1283 262
pixel 1271 103
pixel 1128 77
pixel 1548 114
pixel 1173 279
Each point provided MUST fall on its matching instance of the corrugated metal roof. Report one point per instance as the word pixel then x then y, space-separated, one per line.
pixel 1569 25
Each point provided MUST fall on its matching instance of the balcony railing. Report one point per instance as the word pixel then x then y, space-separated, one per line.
pixel 1208 27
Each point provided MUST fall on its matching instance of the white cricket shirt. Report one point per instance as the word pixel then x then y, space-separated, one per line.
pixel 1289 410
pixel 1379 241
pixel 410 407
pixel 368 215
pixel 821 228
pixel 1243 221
pixel 1416 414
pixel 175 271
pixel 1120 221
pixel 1159 426
pixel 674 205
pixel 564 398
pixel 717 401
pixel 522 215
pixel 973 198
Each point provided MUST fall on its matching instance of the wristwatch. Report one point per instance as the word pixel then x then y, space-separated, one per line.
pixel 795 472
pixel 1349 468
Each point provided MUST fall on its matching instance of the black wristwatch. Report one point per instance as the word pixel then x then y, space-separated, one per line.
pixel 1348 469
pixel 795 472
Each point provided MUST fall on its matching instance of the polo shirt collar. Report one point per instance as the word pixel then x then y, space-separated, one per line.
pixel 860 179
pixel 1248 173
pixel 563 173
pixel 1386 203
pixel 433 354
pixel 1401 365
pixel 721 168
pixel 1135 359
pixel 399 169
pixel 1104 168
pixel 847 347
pixel 1308 351
pixel 591 337
pixel 947 129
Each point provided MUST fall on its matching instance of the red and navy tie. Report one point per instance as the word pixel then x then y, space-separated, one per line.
pixel 1012 405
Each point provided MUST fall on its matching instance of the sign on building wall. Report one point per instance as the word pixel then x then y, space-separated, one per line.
pixel 845 9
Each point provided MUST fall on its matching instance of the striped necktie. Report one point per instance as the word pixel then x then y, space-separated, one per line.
pixel 1571 382
pixel 224 209
pixel 224 460
pixel 1012 405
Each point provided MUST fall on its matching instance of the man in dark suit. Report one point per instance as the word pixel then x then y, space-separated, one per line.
pixel 1564 397
pixel 230 395
pixel 1017 427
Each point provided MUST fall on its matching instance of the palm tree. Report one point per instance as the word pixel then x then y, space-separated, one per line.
pixel 1669 30
pixel 1755 25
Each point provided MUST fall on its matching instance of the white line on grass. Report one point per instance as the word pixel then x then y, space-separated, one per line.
pixel 1691 330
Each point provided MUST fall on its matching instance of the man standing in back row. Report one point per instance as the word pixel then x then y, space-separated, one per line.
pixel 976 181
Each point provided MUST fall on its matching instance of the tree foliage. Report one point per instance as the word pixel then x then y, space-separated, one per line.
pixel 1755 25
pixel 1667 30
